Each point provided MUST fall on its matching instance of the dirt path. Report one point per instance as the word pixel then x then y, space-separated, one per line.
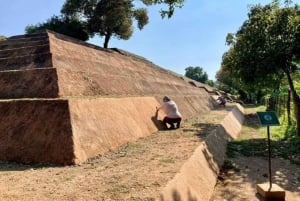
pixel 238 182
pixel 136 171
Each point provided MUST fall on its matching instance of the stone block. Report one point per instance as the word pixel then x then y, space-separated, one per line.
pixel 275 193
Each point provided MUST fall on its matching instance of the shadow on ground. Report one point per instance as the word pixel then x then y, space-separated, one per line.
pixel 14 166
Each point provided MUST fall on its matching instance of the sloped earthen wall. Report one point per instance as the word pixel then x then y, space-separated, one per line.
pixel 71 131
pixel 34 83
pixel 198 176
pixel 87 71
pixel 36 131
pixel 85 100
pixel 102 124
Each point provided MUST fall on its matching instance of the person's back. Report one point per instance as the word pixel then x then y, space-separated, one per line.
pixel 171 109
pixel 173 115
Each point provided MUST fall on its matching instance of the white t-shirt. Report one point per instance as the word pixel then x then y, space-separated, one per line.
pixel 171 109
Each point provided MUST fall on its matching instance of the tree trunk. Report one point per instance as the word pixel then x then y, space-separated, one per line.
pixel 106 40
pixel 288 107
pixel 296 101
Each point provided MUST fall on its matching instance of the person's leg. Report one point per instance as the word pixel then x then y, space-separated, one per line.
pixel 172 125
pixel 165 121
pixel 178 122
pixel 173 121
pixel 169 121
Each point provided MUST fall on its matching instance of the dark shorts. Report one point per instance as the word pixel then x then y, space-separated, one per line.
pixel 172 120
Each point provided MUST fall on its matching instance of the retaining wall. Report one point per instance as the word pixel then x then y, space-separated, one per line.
pixel 64 101
pixel 69 131
pixel 198 176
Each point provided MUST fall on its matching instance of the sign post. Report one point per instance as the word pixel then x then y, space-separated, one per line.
pixel 268 119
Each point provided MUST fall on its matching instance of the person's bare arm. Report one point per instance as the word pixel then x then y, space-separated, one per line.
pixel 159 108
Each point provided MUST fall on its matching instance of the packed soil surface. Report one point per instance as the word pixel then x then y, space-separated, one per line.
pixel 139 170
pixel 238 179
pixel 136 171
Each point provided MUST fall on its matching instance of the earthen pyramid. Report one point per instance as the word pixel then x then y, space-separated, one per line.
pixel 64 101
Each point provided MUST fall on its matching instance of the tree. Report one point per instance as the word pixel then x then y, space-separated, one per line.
pixel 68 26
pixel 210 83
pixel 230 81
pixel 196 73
pixel 224 80
pixel 107 18
pixel 265 49
pixel 172 5
pixel 114 18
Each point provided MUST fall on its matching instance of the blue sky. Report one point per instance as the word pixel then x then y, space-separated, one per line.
pixel 194 36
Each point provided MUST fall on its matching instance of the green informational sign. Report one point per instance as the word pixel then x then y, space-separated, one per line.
pixel 268 118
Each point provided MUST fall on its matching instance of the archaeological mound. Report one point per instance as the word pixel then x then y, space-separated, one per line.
pixel 64 101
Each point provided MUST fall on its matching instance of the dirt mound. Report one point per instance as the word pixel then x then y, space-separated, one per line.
pixel 67 102
pixel 110 98
pixel 167 165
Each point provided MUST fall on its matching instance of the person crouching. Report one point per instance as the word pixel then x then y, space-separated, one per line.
pixel 173 115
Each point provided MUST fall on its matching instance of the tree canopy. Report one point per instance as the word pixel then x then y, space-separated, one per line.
pixel 107 18
pixel 172 5
pixel 265 49
pixel 196 73
pixel 225 80
pixel 68 26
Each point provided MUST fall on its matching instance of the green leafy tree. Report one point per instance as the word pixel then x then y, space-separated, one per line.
pixel 196 73
pixel 224 80
pixel 230 81
pixel 114 18
pixel 264 50
pixel 68 26
pixel 171 4
pixel 210 83
pixel 107 18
